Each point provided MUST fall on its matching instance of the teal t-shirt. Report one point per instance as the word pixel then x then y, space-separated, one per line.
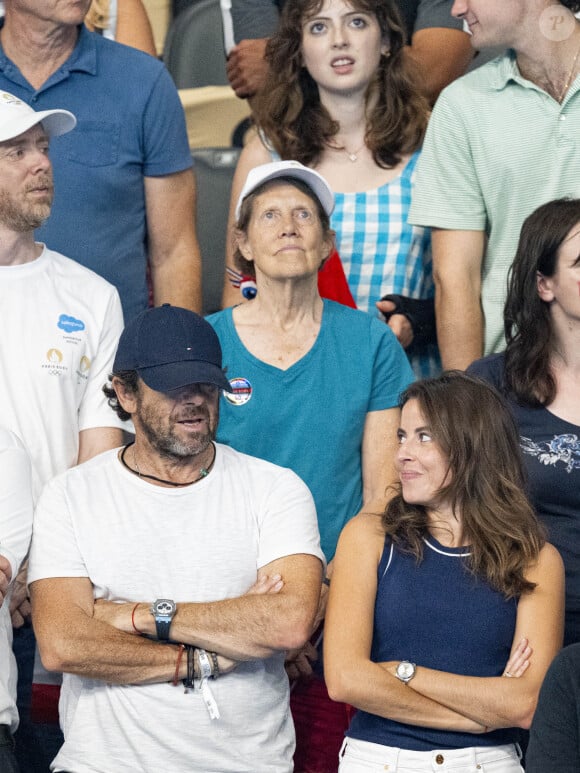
pixel 311 416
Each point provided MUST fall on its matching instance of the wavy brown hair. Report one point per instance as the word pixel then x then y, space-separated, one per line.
pixel 474 429
pixel 527 321
pixel 288 109
pixel 130 379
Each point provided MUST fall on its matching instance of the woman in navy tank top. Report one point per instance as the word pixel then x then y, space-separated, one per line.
pixel 446 611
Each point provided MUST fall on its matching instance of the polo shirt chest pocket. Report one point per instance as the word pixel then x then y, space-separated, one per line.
pixel 94 143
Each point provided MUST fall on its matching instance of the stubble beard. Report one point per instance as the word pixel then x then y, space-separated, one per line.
pixel 169 446
pixel 22 217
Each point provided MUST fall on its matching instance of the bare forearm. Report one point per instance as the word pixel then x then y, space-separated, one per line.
pixel 492 701
pixel 459 327
pixel 457 261
pixel 95 650
pixel 174 254
pixel 243 628
pixel 96 440
pixel 368 686
pixel 177 279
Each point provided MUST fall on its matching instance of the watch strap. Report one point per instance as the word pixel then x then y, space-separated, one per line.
pixel 162 626
pixel 163 611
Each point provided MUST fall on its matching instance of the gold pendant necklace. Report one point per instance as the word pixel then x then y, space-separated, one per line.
pixel 353 157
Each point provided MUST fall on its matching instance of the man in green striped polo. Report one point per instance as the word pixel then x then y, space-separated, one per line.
pixel 501 141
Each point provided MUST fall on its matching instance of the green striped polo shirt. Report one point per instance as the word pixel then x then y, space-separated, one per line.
pixel 497 147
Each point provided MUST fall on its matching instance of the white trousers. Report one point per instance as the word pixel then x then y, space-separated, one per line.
pixel 364 757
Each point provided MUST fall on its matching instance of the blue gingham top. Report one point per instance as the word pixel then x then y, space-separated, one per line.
pixel 382 253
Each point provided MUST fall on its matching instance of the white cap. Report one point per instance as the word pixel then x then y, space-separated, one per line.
pixel 265 172
pixel 16 117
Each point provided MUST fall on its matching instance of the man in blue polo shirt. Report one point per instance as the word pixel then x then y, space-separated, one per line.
pixel 124 180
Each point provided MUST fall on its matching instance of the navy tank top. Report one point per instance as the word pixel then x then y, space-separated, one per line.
pixel 438 615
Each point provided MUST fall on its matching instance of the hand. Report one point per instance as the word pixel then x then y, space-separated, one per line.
pixel 519 660
pixel 20 609
pixel 298 662
pixel 115 614
pixel 246 67
pixel 5 577
pixel 226 665
pixel 265 584
pixel 321 611
pixel 398 323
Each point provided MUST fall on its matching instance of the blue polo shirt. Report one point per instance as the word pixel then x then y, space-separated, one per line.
pixel 130 126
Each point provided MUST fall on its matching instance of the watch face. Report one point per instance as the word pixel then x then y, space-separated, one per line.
pixel 405 670
pixel 165 607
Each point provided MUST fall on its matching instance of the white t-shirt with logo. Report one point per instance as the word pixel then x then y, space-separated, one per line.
pixel 60 328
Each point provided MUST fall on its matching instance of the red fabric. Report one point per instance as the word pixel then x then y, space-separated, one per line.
pixel 320 727
pixel 44 705
pixel 332 282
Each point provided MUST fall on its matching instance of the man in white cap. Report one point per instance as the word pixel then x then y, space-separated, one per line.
pixel 61 321
pixel 175 559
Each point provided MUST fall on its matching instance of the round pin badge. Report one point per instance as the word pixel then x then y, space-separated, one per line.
pixel 242 391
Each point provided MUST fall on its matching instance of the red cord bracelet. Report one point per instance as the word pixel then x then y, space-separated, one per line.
pixel 178 664
pixel 133 619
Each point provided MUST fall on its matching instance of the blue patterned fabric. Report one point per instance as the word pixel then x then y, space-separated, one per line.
pixel 551 454
pixel 382 253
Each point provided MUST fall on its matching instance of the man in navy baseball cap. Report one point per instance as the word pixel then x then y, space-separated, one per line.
pixel 174 559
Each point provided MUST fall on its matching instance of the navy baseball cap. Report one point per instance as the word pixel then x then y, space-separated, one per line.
pixel 171 347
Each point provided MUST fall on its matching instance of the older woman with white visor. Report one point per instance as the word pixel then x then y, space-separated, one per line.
pixel 315 388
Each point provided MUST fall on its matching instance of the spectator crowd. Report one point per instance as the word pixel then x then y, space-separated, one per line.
pixel 335 525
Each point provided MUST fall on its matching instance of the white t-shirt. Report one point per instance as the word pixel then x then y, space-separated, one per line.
pixel 15 530
pixel 138 542
pixel 61 326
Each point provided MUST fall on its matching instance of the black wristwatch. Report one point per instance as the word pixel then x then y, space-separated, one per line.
pixel 163 610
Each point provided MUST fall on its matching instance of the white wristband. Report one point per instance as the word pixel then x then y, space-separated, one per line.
pixel 205 671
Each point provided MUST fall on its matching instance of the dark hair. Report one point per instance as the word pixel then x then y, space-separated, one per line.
pixel 527 320
pixel 288 109
pixel 472 425
pixel 130 379
pixel 247 266
pixel 572 5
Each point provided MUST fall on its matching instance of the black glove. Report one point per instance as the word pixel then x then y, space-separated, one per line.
pixel 421 315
